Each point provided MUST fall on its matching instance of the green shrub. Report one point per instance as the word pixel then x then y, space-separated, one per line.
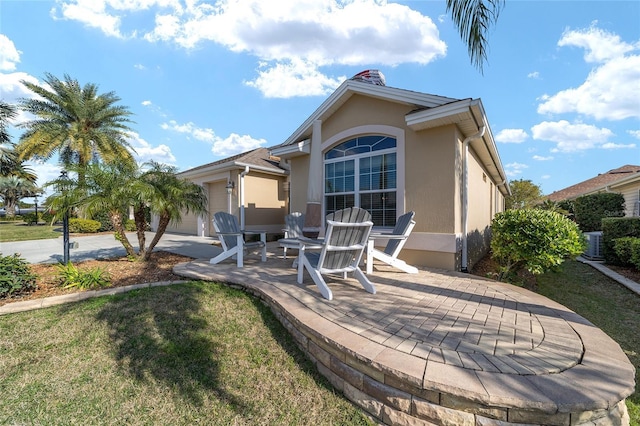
pixel 623 248
pixel 589 210
pixel 130 225
pixel 15 276
pixel 30 218
pixel 83 226
pixel 71 277
pixel 533 239
pixel 614 228
pixel 635 253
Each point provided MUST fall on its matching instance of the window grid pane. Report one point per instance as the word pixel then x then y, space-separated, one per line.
pixel 369 183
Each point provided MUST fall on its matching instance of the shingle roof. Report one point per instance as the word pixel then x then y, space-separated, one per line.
pixel 259 157
pixel 594 183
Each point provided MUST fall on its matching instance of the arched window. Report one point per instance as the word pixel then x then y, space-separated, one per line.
pixel 362 172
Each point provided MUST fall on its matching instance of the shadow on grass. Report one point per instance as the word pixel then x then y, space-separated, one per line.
pixel 163 336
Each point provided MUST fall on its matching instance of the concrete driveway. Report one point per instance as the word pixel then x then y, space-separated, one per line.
pixel 105 246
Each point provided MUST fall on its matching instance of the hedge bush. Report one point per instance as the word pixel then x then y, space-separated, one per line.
pixel 614 228
pixel 15 276
pixel 83 226
pixel 533 239
pixel 589 210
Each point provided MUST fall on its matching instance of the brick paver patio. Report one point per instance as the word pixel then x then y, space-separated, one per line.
pixel 441 347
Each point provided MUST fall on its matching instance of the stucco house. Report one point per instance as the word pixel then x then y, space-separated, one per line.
pixel 624 180
pixel 251 185
pixel 390 151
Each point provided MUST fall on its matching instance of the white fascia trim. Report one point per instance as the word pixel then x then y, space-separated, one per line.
pixel 254 167
pixel 390 93
pixel 293 150
pixel 439 112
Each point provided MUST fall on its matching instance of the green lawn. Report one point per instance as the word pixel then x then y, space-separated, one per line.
pixel 198 353
pixel 20 231
pixel 607 304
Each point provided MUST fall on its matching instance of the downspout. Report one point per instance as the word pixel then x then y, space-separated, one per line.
pixel 465 196
pixel 242 175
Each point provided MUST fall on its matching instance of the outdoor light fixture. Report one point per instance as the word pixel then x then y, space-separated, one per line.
pixel 230 187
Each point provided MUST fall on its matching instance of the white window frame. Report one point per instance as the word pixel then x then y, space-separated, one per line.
pixel 369 130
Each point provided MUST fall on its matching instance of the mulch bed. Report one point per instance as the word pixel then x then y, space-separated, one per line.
pixel 122 272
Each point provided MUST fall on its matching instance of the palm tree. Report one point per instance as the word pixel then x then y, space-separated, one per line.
pixel 12 189
pixel 76 122
pixel 169 197
pixel 7 113
pixel 473 19
pixel 115 186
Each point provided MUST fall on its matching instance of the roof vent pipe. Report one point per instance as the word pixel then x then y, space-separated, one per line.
pixel 465 197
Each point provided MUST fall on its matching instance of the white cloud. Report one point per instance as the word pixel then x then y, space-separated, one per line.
pixel 611 145
pixel 294 79
pixel 611 90
pixel 144 151
pixel 541 158
pixel 12 88
pixel 634 133
pixel 198 133
pixel 140 67
pixel 599 45
pixel 571 137
pixel 535 75
pixel 511 136
pixel 235 144
pixel 9 55
pixel 231 145
pixel 515 169
pixel 146 103
pixel 296 34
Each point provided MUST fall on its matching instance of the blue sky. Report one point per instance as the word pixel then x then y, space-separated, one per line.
pixel 207 80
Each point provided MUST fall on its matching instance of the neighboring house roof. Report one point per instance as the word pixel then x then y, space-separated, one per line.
pixel 256 159
pixel 598 183
pixel 428 111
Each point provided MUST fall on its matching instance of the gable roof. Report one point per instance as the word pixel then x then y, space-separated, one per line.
pixel 428 111
pixel 352 87
pixel 257 159
pixel 598 183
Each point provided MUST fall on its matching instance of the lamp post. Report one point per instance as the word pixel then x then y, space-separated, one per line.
pixel 35 205
pixel 63 188
pixel 229 188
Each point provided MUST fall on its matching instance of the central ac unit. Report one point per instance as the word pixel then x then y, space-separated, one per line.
pixel 594 245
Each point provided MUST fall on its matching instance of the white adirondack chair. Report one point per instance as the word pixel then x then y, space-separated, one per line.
pixel 232 239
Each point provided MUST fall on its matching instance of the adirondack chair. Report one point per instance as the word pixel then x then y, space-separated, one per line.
pixel 397 238
pixel 350 214
pixel 339 252
pixel 293 224
pixel 232 239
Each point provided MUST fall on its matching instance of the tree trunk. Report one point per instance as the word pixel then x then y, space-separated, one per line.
pixel 120 233
pixel 162 227
pixel 141 226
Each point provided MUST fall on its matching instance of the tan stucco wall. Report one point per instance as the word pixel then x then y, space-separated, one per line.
pixel 432 167
pixel 359 111
pixel 218 202
pixel 299 179
pixel 431 179
pixel 188 225
pixel 265 201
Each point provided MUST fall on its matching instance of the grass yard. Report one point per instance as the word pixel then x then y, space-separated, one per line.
pixel 198 353
pixel 610 306
pixel 20 231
